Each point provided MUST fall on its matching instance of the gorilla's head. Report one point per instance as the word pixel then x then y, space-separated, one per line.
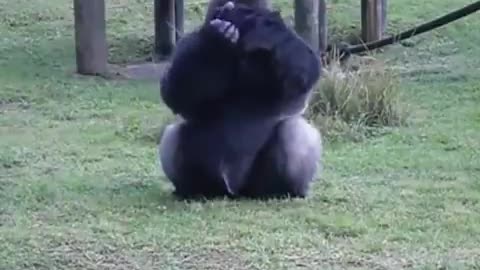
pixel 254 3
pixel 215 4
pixel 254 24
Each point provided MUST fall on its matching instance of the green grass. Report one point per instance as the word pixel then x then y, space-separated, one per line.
pixel 80 187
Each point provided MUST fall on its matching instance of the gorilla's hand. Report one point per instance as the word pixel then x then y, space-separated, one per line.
pixel 226 28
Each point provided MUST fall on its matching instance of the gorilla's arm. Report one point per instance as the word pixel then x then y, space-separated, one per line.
pixel 295 65
pixel 201 71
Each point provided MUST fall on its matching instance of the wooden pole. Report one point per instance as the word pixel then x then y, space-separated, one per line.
pixel 179 18
pixel 306 21
pixel 322 25
pixel 164 13
pixel 384 16
pixel 90 37
pixel 373 19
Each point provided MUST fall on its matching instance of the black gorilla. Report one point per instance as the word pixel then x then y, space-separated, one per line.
pixel 240 83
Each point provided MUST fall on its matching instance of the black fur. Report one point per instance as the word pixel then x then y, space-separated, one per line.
pixel 239 103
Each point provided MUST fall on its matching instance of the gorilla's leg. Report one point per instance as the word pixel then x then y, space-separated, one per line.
pixel 184 160
pixel 288 163
pixel 168 150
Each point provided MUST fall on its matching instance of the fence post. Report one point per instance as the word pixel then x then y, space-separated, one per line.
pixel 165 34
pixel 384 16
pixel 90 37
pixel 322 25
pixel 373 19
pixel 179 18
pixel 306 21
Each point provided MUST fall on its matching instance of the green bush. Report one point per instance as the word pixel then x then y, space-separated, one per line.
pixel 357 102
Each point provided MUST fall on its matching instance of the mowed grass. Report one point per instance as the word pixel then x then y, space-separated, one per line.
pixel 80 187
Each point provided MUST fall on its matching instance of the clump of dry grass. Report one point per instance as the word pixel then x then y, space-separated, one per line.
pixel 356 102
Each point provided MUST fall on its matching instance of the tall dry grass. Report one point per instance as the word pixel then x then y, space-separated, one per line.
pixel 356 101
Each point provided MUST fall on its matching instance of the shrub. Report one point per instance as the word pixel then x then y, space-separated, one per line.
pixel 357 101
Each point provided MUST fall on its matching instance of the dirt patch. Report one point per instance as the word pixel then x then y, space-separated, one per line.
pixel 212 259
pixel 78 249
pixel 142 71
pixel 387 259
pixel 7 106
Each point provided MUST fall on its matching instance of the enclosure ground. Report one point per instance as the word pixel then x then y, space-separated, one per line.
pixel 80 187
pixel 142 71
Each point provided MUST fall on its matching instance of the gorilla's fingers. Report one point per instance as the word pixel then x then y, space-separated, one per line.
pixel 225 26
pixel 231 34
pixel 228 30
pixel 236 36
pixel 220 25
pixel 229 5
pixel 216 22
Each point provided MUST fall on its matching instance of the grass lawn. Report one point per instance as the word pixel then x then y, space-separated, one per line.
pixel 80 187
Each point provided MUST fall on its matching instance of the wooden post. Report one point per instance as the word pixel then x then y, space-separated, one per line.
pixel 384 16
pixel 90 37
pixel 322 25
pixel 373 19
pixel 164 13
pixel 179 18
pixel 306 21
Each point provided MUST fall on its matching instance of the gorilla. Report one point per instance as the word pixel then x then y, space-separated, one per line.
pixel 214 4
pixel 240 84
